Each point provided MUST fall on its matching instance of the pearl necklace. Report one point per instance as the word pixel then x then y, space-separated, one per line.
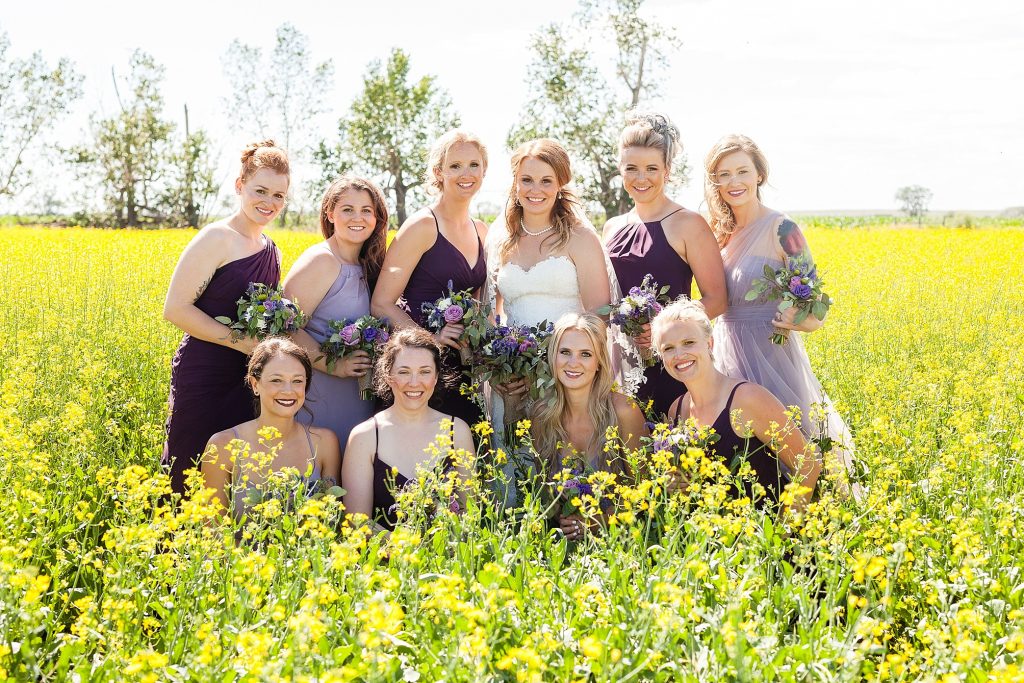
pixel 534 234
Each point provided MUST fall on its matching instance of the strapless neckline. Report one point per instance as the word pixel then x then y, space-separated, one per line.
pixel 527 271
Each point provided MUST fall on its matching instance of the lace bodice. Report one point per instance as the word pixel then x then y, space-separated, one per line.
pixel 544 292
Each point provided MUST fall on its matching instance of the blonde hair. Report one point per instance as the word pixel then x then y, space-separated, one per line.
pixel 563 213
pixel 440 149
pixel 547 428
pixel 264 154
pixel 682 309
pixel 652 130
pixel 723 220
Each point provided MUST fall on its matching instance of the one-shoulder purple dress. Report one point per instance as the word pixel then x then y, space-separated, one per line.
pixel 428 282
pixel 638 249
pixel 334 402
pixel 208 390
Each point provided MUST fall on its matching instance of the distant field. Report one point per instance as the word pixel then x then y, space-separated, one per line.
pixel 923 579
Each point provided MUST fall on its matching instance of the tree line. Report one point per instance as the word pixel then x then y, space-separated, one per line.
pixel 154 172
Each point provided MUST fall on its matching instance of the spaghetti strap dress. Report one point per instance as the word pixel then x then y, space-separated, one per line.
pixel 387 480
pixel 636 250
pixel 743 346
pixel 208 392
pixel 440 264
pixel 733 449
pixel 247 494
pixel 334 402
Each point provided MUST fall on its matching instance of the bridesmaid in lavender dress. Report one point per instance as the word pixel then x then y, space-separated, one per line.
pixel 752 236
pixel 208 391
pixel 435 246
pixel 660 238
pixel 332 280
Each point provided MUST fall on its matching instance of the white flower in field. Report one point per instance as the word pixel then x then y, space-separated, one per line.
pixel 410 675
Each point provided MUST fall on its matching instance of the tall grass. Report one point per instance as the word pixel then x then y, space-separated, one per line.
pixel 920 581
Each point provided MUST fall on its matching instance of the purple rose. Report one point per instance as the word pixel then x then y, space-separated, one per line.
pixel 383 337
pixel 349 335
pixel 794 281
pixel 800 290
pixel 370 333
pixel 524 346
pixel 453 313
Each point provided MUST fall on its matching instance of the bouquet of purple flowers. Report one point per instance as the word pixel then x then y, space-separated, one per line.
pixel 794 286
pixel 460 308
pixel 367 334
pixel 264 312
pixel 637 309
pixel 512 351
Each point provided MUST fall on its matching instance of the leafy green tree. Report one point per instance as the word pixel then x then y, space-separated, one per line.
pixel 191 187
pixel 146 173
pixel 32 97
pixel 573 101
pixel 388 130
pixel 279 95
pixel 914 200
pixel 129 149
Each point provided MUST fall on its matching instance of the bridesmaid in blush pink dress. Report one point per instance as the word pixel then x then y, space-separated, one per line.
pixel 753 236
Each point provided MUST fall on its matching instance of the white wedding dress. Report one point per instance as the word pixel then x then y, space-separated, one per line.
pixel 544 292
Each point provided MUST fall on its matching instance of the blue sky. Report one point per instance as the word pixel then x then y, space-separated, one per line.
pixel 849 100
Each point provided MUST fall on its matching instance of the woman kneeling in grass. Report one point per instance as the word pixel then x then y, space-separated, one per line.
pixel 749 421
pixel 279 374
pixel 385 452
pixel 571 428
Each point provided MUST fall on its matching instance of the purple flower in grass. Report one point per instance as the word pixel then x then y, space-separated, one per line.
pixel 453 313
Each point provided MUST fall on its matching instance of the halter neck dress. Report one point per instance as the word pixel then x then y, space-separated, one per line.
pixel 638 249
pixel 440 264
pixel 208 392
pixel 334 402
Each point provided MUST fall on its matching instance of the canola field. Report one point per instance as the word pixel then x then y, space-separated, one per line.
pixel 921 580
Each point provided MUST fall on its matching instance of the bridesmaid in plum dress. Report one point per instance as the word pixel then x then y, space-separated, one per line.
pixel 208 391
pixel 437 245
pixel 753 236
pixel 332 280
pixel 660 238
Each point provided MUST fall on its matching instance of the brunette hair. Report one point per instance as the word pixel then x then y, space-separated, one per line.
pixel 547 428
pixel 440 149
pixel 653 130
pixel 371 253
pixel 271 348
pixel 263 154
pixel 680 309
pixel 563 213
pixel 723 220
pixel 408 338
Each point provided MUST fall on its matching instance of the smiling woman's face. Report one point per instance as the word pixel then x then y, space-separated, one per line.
pixel 737 179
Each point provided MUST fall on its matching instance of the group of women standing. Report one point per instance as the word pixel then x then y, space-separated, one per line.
pixel 541 260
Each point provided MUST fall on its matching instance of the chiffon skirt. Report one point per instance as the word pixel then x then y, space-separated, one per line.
pixel 743 349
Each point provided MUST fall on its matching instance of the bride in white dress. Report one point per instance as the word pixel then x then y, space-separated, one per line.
pixel 543 259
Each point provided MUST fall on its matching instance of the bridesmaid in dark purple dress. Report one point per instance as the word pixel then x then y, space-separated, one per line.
pixel 660 238
pixel 435 246
pixel 208 391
